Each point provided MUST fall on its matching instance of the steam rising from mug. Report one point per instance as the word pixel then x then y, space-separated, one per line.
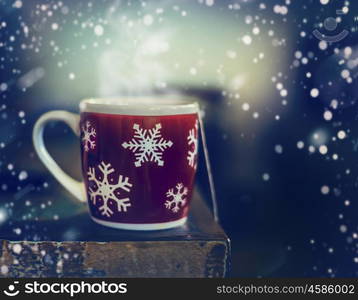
pixel 134 65
pixel 159 45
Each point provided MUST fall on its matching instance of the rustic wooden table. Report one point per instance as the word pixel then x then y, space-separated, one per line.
pixel 77 247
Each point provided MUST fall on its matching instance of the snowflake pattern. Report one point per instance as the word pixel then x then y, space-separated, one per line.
pixel 178 198
pixel 107 191
pixel 193 144
pixel 147 145
pixel 88 134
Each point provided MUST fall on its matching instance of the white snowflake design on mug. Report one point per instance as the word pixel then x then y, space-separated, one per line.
pixel 148 145
pixel 106 190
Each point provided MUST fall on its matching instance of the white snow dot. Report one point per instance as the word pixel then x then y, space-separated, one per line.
pixel 193 71
pixel 98 30
pixel 209 2
pixel 345 73
pixel 54 26
pixel 298 54
pixel 17 4
pixel 71 76
pixel 323 45
pixel 23 175
pixel 348 52
pixel 278 149
pixel 327 115
pixel 334 104
pixel 3 87
pixel 17 231
pixel 231 54
pixel 256 30
pixel 3 216
pixel 343 228
pixel 278 9
pixel 324 2
pixel 148 20
pixel 17 248
pixel 283 93
pixel 323 149
pixel 325 190
pixel 314 93
pixel 266 177
pixel 245 106
pixel 65 10
pixel 300 144
pixel 284 10
pixel 247 40
pixel 341 134
pixel 4 269
pixel 248 19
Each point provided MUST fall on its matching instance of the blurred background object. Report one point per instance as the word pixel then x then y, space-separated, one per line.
pixel 279 111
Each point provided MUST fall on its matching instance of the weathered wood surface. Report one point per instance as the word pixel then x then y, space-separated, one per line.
pixel 78 247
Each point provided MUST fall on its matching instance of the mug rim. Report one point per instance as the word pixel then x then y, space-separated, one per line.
pixel 141 105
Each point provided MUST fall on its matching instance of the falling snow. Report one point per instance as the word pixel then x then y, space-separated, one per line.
pixel 98 30
pixel 325 190
pixel 314 93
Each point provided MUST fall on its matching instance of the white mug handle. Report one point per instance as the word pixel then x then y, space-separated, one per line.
pixel 76 188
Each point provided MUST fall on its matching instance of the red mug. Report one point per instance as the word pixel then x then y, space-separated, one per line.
pixel 139 159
